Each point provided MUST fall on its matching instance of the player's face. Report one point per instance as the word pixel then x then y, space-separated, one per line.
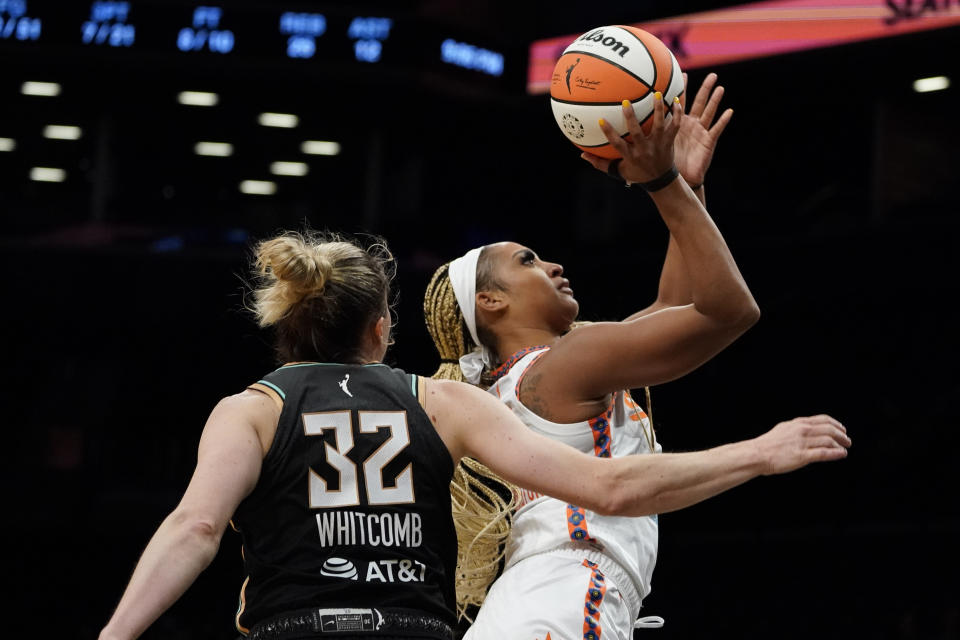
pixel 536 290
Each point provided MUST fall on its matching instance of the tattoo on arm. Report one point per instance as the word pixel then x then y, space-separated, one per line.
pixel 531 398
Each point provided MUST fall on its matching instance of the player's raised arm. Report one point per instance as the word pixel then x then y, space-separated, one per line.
pixel 693 150
pixel 671 342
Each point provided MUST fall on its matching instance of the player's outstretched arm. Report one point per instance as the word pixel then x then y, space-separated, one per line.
pixel 474 423
pixel 228 466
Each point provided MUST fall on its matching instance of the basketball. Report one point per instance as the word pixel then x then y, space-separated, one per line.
pixel 601 69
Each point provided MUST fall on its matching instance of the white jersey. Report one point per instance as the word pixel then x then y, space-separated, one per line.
pixel 543 524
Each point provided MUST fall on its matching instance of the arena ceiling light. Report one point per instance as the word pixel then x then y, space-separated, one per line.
pixel 7 144
pixel 34 88
pixel 282 120
pixel 320 147
pixel 289 168
pixel 258 187
pixel 62 132
pixel 219 149
pixel 935 83
pixel 198 98
pixel 47 174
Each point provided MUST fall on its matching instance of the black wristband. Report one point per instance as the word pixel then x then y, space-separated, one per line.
pixel 613 170
pixel 662 181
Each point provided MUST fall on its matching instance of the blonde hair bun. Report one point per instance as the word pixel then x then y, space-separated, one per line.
pixel 294 268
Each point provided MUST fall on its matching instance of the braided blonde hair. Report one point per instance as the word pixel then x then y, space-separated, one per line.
pixel 481 513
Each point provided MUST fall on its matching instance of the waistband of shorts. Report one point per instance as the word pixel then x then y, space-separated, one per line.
pixel 610 568
pixel 381 622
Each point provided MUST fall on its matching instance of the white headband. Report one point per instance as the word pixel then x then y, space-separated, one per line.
pixel 463 279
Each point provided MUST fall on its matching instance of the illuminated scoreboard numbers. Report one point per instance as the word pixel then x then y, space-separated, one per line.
pixel 15 24
pixel 302 31
pixel 114 35
pixel 301 47
pixel 108 25
pixel 22 28
pixel 465 55
pixel 205 32
pixel 369 28
pixel 367 50
pixel 369 34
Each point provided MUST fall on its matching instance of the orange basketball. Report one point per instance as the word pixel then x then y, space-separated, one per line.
pixel 601 69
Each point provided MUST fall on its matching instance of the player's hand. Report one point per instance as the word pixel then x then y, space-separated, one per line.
pixel 697 138
pixel 796 443
pixel 646 156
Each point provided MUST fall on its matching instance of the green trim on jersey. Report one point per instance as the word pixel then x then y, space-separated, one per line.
pixel 283 396
pixel 331 364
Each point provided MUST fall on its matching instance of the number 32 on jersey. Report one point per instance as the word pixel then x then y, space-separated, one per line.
pixel 341 423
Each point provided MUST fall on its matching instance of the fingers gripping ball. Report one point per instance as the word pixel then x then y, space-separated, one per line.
pixel 601 69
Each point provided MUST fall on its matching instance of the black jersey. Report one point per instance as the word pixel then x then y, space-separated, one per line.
pixel 352 508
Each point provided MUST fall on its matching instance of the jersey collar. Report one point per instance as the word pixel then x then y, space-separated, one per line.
pixel 502 370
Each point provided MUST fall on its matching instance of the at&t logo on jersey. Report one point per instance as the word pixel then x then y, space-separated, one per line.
pixel 396 571
pixel 392 570
pixel 339 568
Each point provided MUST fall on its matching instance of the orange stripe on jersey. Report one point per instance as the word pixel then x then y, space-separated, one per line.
pixel 243 606
pixel 592 602
pixel 600 428
pixel 638 413
pixel 502 370
pixel 577 524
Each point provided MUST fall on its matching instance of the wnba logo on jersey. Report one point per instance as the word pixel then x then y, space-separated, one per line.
pixel 343 385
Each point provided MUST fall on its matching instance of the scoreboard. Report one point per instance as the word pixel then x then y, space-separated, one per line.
pixel 300 36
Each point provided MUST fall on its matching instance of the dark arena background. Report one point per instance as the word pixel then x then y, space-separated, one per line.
pixel 124 251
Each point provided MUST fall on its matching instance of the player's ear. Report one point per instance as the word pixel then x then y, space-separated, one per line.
pixel 492 301
pixel 376 339
pixel 380 329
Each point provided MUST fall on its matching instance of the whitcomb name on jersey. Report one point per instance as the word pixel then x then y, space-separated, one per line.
pixel 350 528
pixel 377 570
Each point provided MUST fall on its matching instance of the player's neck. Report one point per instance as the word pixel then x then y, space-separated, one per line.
pixel 522 338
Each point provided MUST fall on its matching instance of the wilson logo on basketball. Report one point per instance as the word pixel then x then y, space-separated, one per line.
pixel 607 41
pixel 597 72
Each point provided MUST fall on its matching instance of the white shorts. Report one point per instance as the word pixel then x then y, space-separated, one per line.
pixel 556 596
